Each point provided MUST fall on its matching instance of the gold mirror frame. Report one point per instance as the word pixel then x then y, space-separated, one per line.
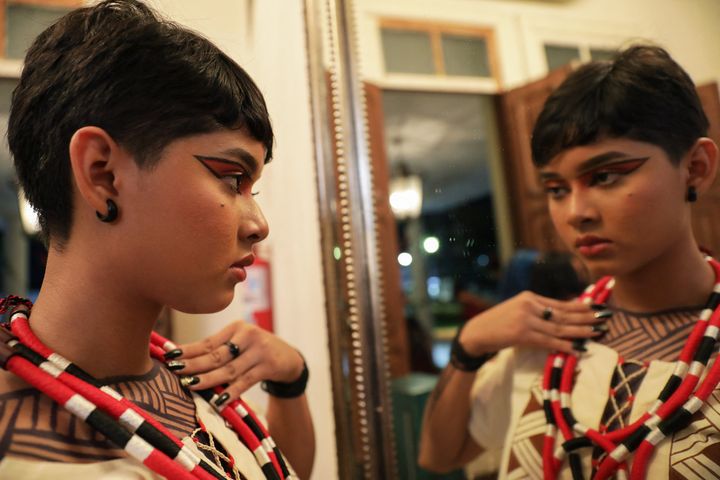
pixel 350 246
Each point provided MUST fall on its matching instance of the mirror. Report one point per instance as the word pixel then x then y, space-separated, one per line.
pixel 429 203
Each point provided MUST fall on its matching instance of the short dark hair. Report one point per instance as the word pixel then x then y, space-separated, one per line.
pixel 146 81
pixel 643 94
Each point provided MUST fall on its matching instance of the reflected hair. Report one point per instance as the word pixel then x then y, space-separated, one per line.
pixel 642 94
pixel 146 81
pixel 553 275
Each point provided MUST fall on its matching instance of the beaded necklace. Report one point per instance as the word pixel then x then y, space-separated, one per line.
pixel 671 412
pixel 120 420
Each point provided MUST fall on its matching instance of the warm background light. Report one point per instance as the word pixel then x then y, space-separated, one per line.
pixel 431 244
pixel 405 259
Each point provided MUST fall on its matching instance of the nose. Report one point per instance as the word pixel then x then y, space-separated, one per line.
pixel 256 227
pixel 581 210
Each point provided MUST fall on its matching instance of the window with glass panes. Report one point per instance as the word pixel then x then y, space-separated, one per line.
pixel 22 20
pixel 557 55
pixel 22 255
pixel 419 48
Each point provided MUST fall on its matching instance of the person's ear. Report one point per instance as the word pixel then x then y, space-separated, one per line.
pixel 93 158
pixel 702 164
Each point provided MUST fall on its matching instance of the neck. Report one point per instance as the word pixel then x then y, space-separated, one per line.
pixel 680 277
pixel 83 315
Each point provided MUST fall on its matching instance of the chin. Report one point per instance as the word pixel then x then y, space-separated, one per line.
pixel 210 303
pixel 615 269
pixel 598 268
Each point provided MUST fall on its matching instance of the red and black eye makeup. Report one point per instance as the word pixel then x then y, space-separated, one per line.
pixel 224 169
pixel 221 167
pixel 621 167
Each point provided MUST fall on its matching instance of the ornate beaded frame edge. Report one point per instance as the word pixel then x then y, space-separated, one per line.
pixel 353 284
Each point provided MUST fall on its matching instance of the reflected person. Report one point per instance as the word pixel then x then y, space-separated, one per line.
pixel 622 152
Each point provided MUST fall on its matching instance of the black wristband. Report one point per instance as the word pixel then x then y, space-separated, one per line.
pixel 289 389
pixel 462 360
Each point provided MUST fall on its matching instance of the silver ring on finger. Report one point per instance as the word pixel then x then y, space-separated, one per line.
pixel 234 349
pixel 547 313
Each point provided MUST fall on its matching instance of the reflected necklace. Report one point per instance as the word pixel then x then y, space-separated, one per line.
pixel 120 420
pixel 671 412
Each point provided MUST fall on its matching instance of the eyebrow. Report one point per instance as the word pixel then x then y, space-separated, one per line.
pixel 592 163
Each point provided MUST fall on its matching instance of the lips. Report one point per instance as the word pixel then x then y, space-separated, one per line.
pixel 590 245
pixel 590 240
pixel 238 268
pixel 244 262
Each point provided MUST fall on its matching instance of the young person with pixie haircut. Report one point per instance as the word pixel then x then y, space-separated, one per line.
pixel 621 383
pixel 139 142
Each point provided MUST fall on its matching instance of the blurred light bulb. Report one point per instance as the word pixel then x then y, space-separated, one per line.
pixel 405 259
pixel 431 244
pixel 406 196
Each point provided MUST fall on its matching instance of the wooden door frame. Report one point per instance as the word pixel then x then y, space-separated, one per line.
pixel 393 298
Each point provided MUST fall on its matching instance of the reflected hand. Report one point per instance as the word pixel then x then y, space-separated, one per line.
pixel 259 356
pixel 529 319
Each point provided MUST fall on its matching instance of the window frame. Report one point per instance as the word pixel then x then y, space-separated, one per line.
pixel 584 50
pixel 435 31
pixel 9 66
pixel 575 32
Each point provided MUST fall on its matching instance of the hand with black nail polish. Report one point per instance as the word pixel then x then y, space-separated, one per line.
pixel 172 354
pixel 239 356
pixel 529 319
pixel 175 365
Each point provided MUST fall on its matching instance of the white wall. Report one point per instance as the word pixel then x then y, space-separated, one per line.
pixel 267 38
pixel 688 29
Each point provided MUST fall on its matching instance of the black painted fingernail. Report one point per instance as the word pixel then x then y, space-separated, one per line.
pixel 173 354
pixel 189 381
pixel 222 399
pixel 175 365
pixel 603 314
pixel 579 345
pixel 599 306
pixel 600 327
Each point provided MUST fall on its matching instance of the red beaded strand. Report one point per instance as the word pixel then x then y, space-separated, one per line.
pixel 81 407
pixel 552 398
pixel 121 417
pixel 688 371
pixel 237 413
pixel 244 420
pixel 675 403
pixel 129 415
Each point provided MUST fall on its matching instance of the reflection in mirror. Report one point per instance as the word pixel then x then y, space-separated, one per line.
pixel 447 142
pixel 447 95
